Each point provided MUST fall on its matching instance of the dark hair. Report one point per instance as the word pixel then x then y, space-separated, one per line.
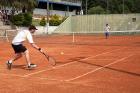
pixel 32 27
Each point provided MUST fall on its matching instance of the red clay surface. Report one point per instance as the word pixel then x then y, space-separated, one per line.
pixel 91 64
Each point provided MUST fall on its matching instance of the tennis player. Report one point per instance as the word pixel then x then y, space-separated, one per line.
pixel 107 30
pixel 20 49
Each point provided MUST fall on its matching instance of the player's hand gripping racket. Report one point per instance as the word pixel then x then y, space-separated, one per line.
pixel 51 60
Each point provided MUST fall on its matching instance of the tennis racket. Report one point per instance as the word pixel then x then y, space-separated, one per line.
pixel 50 59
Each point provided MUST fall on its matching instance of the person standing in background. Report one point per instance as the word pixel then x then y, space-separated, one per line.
pixel 107 30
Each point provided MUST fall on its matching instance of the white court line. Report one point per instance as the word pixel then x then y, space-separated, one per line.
pixel 36 72
pixel 81 84
pixel 23 76
pixel 49 79
pixel 104 59
pixel 68 63
pixel 98 68
pixel 101 54
pixel 12 75
pixel 48 69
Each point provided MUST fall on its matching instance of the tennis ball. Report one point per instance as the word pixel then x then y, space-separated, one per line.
pixel 61 53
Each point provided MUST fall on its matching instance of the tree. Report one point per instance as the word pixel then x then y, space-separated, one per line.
pixel 22 19
pixel 96 10
pixel 4 3
pixel 136 6
pixel 29 5
pixel 113 6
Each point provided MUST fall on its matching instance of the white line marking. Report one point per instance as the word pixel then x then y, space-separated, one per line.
pixel 98 69
pixel 49 69
pixel 101 54
pixel 23 76
pixel 49 79
pixel 104 59
pixel 73 83
pixel 68 63
pixel 12 75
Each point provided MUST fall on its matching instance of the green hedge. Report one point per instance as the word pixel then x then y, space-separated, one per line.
pixel 55 20
pixel 43 21
pixel 22 19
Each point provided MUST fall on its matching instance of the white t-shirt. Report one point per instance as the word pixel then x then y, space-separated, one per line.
pixel 107 28
pixel 22 36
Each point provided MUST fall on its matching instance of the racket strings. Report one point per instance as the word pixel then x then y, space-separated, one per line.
pixel 52 61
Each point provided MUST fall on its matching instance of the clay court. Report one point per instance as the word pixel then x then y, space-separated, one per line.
pixel 90 64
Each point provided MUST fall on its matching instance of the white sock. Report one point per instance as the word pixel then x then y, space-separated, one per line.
pixel 10 61
pixel 29 64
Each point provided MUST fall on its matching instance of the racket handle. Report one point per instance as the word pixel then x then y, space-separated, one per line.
pixel 45 55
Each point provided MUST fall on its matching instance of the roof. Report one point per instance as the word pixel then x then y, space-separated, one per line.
pixel 62 3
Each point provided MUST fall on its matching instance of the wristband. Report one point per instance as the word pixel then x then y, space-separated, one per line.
pixel 39 49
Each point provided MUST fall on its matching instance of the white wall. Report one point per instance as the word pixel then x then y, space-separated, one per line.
pixel 41 30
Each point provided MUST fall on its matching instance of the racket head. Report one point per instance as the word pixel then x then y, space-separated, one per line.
pixel 51 60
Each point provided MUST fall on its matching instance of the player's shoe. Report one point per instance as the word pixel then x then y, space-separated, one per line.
pixel 32 66
pixel 9 65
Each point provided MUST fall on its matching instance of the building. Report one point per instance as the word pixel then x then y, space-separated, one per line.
pixel 58 7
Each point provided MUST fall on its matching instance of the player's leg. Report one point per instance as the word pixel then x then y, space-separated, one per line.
pixel 19 49
pixel 106 35
pixel 16 57
pixel 27 56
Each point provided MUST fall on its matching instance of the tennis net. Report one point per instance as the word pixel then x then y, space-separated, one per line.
pixel 7 35
pixel 96 38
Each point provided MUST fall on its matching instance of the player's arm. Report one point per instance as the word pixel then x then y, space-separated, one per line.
pixel 109 28
pixel 30 39
pixel 36 47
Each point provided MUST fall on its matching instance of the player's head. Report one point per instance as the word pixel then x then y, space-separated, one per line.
pixel 106 24
pixel 32 29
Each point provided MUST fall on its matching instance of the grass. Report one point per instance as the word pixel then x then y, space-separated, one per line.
pixel 36 22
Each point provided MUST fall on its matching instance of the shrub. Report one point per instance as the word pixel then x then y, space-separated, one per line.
pixel 55 20
pixel 43 21
pixel 17 19
pixel 96 10
pixel 27 19
pixel 22 19
pixel 64 18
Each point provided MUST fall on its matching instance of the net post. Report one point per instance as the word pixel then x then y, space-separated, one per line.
pixel 73 37
pixel 6 35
